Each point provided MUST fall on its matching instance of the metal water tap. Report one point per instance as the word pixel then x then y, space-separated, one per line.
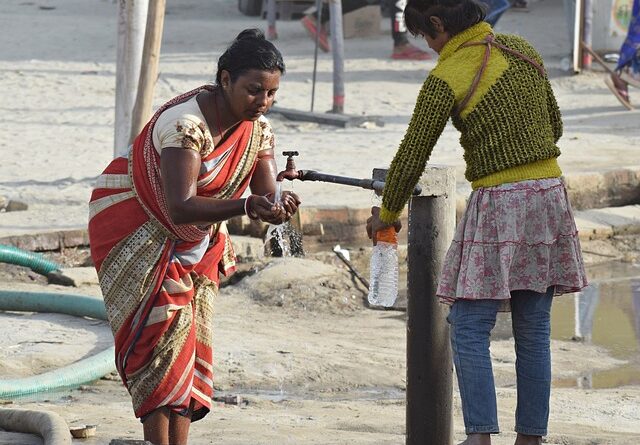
pixel 290 171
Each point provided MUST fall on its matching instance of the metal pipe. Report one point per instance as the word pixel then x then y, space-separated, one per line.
pixel 337 48
pixel 369 184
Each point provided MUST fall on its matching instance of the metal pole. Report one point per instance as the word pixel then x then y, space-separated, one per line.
pixel 315 50
pixel 272 34
pixel 337 47
pixel 576 7
pixel 587 32
pixel 429 366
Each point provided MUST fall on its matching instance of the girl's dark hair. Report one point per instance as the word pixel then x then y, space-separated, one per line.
pixel 249 51
pixel 456 15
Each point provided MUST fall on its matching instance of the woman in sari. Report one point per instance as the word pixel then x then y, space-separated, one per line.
pixel 628 69
pixel 158 238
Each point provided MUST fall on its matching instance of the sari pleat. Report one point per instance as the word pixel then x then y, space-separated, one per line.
pixel 159 279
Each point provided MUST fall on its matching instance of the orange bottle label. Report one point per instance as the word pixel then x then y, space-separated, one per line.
pixel 387 235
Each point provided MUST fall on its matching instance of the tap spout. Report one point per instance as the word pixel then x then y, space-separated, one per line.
pixel 290 171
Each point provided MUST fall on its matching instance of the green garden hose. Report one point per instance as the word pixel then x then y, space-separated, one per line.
pixel 84 371
pixel 34 261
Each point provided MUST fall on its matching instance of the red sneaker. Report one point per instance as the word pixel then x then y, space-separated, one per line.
pixel 410 52
pixel 310 25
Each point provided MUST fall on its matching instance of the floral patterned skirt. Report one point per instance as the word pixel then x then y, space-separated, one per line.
pixel 514 236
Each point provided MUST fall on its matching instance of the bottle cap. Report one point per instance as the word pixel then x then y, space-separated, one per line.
pixel 387 235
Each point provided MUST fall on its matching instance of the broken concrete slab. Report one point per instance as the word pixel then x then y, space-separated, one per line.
pixel 594 190
pixel 55 240
pixel 623 220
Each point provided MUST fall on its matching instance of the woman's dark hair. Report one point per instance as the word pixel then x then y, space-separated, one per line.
pixel 249 51
pixel 456 15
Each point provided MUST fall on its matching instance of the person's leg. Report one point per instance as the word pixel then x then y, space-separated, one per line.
pixel 531 322
pixel 619 88
pixel 471 324
pixel 179 426
pixel 398 28
pixel 402 49
pixel 156 427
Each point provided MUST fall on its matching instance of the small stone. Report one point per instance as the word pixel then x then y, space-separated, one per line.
pixel 16 206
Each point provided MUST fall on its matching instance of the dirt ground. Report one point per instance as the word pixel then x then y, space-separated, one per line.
pixel 310 364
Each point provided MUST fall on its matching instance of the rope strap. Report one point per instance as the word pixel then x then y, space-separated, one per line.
pixel 490 41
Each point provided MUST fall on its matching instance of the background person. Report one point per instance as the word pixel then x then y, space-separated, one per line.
pixel 516 246
pixel 157 235
pixel 628 68
pixel 402 49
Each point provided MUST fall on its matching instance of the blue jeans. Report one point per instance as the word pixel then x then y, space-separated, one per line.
pixel 471 324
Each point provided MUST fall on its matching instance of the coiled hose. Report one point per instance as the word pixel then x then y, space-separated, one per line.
pixel 46 424
pixel 36 262
pixel 78 373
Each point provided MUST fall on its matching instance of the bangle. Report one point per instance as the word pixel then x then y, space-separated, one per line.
pixel 247 208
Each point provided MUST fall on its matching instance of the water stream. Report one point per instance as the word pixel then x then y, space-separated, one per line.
pixel 283 240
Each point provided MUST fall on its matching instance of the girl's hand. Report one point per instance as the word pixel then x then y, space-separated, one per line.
pixel 374 225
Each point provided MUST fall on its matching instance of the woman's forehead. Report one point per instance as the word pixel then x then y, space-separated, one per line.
pixel 260 76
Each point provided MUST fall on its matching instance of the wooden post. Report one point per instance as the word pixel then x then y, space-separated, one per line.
pixel 149 67
pixel 432 217
pixel 132 15
pixel 337 48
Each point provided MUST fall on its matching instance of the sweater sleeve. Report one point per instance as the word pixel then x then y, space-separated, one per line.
pixel 555 117
pixel 430 115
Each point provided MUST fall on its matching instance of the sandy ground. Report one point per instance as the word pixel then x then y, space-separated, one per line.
pixel 294 340
pixel 57 72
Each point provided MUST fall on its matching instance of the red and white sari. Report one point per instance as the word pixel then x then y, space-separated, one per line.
pixel 159 279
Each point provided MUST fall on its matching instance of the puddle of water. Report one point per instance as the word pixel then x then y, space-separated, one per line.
pixel 606 314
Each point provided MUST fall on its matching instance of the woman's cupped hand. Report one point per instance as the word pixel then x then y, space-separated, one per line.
pixel 276 212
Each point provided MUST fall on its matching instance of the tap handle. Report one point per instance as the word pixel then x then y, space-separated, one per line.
pixel 290 153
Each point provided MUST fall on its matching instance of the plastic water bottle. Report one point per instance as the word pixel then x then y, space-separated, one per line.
pixel 383 285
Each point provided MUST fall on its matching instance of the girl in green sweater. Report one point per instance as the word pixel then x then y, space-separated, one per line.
pixel 517 245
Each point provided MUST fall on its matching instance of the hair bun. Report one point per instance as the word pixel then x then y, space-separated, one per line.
pixel 251 33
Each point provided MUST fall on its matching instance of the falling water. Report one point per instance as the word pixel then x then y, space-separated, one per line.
pixel 276 240
pixel 278 196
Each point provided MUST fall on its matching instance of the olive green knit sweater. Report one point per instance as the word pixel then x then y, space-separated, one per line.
pixel 511 124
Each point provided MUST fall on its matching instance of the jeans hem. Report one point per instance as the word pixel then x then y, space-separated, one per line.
pixel 484 429
pixel 530 431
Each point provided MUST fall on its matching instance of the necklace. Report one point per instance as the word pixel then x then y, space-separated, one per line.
pixel 215 102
